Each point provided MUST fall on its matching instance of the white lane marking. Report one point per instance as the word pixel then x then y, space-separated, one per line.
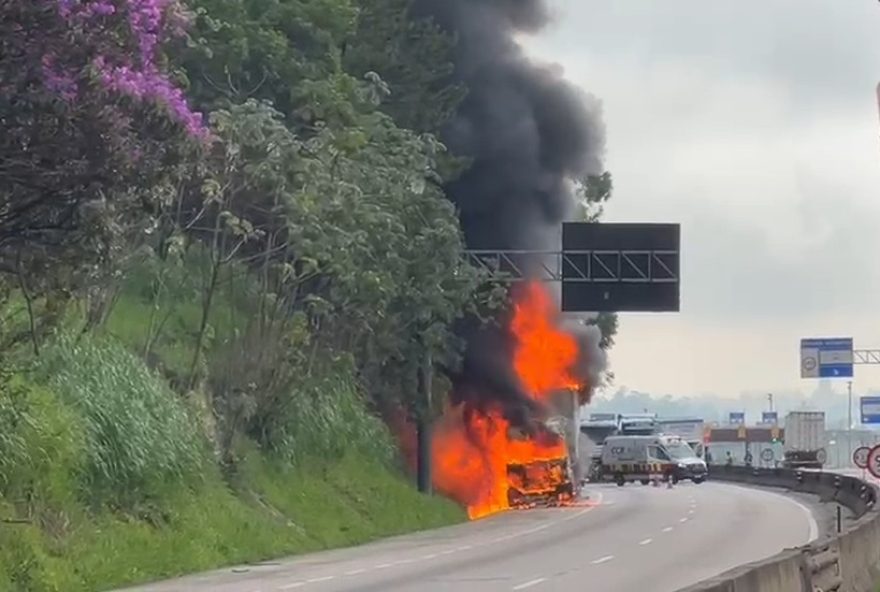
pixel 529 584
pixel 646 542
pixel 431 556
pixel 668 529
pixel 599 502
pixel 683 520
pixel 814 527
pixel 603 559
pixel 691 511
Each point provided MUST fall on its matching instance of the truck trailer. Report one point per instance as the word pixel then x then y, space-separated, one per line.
pixel 804 440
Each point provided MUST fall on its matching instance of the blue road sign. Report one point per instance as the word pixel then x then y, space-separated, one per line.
pixel 737 418
pixel 827 358
pixel 870 407
pixel 770 417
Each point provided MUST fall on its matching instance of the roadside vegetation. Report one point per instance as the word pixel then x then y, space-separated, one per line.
pixel 224 250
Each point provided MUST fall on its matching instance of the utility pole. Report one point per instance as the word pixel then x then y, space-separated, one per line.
pixel 849 435
pixel 770 400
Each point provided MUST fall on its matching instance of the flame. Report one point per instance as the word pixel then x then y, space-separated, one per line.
pixel 472 449
pixel 544 356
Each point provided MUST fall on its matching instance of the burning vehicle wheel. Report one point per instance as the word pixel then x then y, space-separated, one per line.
pixel 620 480
pixel 699 480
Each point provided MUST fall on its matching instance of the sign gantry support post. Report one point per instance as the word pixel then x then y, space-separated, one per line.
pixel 849 424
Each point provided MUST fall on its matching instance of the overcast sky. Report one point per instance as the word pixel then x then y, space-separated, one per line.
pixel 755 125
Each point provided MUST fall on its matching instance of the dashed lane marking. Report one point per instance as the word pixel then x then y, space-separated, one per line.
pixel 529 584
pixel 683 520
pixel 668 529
pixel 355 572
pixel 601 560
pixel 646 542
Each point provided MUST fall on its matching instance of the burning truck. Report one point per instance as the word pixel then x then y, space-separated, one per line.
pixel 542 481
pixel 491 457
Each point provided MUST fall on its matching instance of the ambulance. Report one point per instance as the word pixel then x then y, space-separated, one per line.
pixel 643 458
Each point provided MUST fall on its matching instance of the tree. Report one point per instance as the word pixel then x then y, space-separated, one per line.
pixel 412 55
pixel 91 130
pixel 270 50
pixel 592 193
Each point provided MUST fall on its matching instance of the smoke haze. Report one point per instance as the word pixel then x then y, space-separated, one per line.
pixel 530 135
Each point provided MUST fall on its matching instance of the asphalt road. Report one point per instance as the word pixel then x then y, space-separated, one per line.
pixel 635 538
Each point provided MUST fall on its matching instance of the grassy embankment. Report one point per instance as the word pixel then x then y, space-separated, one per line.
pixel 109 477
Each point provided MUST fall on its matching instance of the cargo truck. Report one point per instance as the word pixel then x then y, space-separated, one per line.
pixel 804 440
pixel 543 482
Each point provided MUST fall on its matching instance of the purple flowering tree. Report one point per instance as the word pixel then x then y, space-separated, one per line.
pixel 92 132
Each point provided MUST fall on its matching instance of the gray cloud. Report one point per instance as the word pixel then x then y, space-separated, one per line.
pixel 821 49
pixel 754 125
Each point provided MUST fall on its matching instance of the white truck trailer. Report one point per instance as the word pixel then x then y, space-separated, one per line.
pixel 804 440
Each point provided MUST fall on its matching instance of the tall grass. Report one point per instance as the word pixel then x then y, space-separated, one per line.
pixel 328 417
pixel 41 445
pixel 139 434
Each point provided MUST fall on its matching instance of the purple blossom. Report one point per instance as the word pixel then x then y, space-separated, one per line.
pixel 75 9
pixel 137 76
pixel 57 81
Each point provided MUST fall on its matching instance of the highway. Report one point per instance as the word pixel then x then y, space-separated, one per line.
pixel 632 539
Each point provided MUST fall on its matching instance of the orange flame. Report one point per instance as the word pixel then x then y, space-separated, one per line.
pixel 544 356
pixel 471 451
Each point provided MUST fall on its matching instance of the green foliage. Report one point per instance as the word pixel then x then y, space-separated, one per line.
pixel 139 435
pixel 264 49
pixel 287 281
pixel 55 437
pixel 283 511
pixel 41 446
pixel 592 193
pixel 397 47
pixel 325 419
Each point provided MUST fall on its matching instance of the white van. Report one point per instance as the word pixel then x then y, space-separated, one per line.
pixel 639 458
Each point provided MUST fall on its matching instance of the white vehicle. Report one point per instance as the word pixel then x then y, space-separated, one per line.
pixel 804 439
pixel 639 458
pixel 688 429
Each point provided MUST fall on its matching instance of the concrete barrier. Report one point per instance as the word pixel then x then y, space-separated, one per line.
pixel 847 562
pixel 782 573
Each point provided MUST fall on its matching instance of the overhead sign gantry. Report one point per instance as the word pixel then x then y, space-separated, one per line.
pixel 602 267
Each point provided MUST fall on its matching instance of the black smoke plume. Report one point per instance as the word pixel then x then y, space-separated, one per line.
pixel 528 131
pixel 529 134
